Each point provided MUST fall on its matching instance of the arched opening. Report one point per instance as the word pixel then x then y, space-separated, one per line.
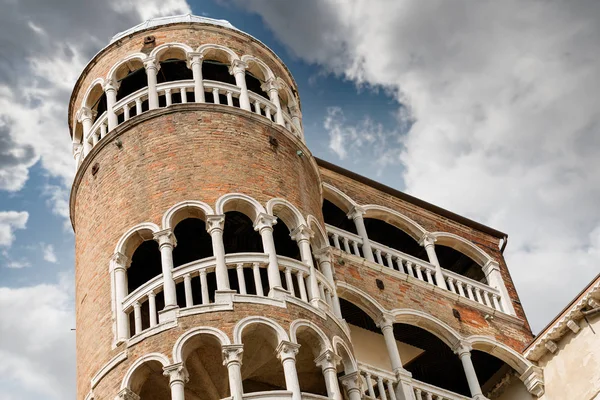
pixel 389 235
pixel 335 216
pixel 215 67
pixel 173 67
pixel 497 379
pixel 261 369
pixel 96 101
pixel 284 244
pixel 255 78
pixel 148 381
pixel 460 263
pixel 208 378
pixel 310 375
pixel 131 77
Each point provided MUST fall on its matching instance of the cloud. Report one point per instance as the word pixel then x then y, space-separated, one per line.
pixel 37 346
pixel 9 222
pixel 505 120
pixel 49 254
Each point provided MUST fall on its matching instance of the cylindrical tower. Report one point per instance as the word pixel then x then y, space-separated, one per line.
pixel 202 264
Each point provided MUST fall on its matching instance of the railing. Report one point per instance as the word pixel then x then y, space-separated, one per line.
pixel 417 268
pixel 250 279
pixel 425 391
pixel 136 103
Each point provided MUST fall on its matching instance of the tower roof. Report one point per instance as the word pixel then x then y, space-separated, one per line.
pixel 153 22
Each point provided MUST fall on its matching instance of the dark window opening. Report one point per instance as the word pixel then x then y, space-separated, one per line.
pixel 334 216
pixel 239 235
pixel 193 242
pixel 460 263
pixel 254 85
pixel 134 81
pixel 284 244
pixel 145 265
pixel 99 107
pixel 390 236
pixel 173 70
pixel 217 71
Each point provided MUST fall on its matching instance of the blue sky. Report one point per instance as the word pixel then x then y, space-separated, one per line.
pixel 486 111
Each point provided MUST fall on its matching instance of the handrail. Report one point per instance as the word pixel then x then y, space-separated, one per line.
pixel 341 232
pixel 442 394
pixel 102 119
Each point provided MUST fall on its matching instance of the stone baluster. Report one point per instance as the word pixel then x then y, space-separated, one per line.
pixel 204 286
pixel 214 226
pixel 478 294
pixel 356 214
pixel 355 248
pixel 152 68
pixel 390 389
pixel 194 62
pixel 328 361
pixel 496 299
pixel 152 309
pixel 137 317
pixel 470 293
pixel 264 225
pixel 257 107
pixel 336 241
pixel 459 286
pixel 428 241
pixel 183 94
pixel 381 388
pixel 388 259
pixel 289 282
pixel 378 256
pixel 399 264
pixel 168 97
pixel 126 112
pixel 324 258
pixel 486 298
pixel 346 243
pixel 451 285
pixel 232 359
pixel 229 98
pixel 216 98
pixel 418 394
pixel 118 267
pixel 370 388
pixel 418 269
pixel 238 70
pixel 301 285
pixel 166 243
pixel 178 377
pixel 187 285
pixel 257 280
pixel 409 269
pixel 138 106
pixel 428 275
pixel 239 268
pixel 286 352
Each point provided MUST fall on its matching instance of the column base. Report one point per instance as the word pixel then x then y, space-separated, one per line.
pixel 224 296
pixel 168 314
pixel 278 293
pixel 320 304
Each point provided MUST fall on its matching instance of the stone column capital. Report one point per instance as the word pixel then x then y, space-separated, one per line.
pixel 356 212
pixel 194 58
pixel 270 85
pixel 165 238
pixel 287 350
pixel 490 267
pixel 295 110
pixel 386 321
pixel 351 381
pixel 462 349
pixel 214 222
pixel 111 84
pixel 84 113
pixel 264 221
pixel 176 373
pixel 118 261
pixel 127 394
pixel 232 353
pixel 150 64
pixel 328 359
pixel 427 239
pixel 301 232
pixel 237 66
pixel 323 254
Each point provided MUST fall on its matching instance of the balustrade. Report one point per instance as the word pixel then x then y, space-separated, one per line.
pixel 416 268
pixel 137 103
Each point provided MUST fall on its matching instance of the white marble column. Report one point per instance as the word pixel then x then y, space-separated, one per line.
pixel 463 351
pixel 328 362
pixel 214 227
pixel 296 118
pixel 85 115
pixel 110 89
pixel 272 87
pixel 356 214
pixel 232 359
pixel 428 242
pixel 495 280
pixel 118 268
pixel 238 70
pixel 351 382
pixel 386 324
pixel 302 235
pixel 324 258
pixel 152 67
pixel 286 352
pixel 178 377
pixel 166 243
pixel 194 62
pixel 264 225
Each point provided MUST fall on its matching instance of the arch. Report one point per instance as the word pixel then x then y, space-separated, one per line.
pixel 490 346
pixel 241 203
pixel 288 99
pixel 238 330
pixel 208 49
pixel 337 197
pixel 285 211
pixel 185 209
pixel 187 336
pixel 463 246
pixel 394 218
pixel 163 48
pixel 361 299
pixel 134 237
pixel 304 323
pixel 348 360
pixel 112 73
pixel 127 380
pixel 319 239
pixel 265 70
pixel 431 324
pixel 92 88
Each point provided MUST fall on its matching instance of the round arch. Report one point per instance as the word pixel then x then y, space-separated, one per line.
pixel 127 380
pixel 319 239
pixel 164 48
pixel 290 99
pixel 112 73
pixel 238 330
pixel 392 217
pixel 92 89
pixel 337 197
pixel 463 246
pixel 285 211
pixel 134 237
pixel 426 322
pixel 208 49
pixel 362 300
pixel 265 70
pixel 179 346
pixel 304 323
pixel 488 345
pixel 348 360
pixel 241 203
pixel 185 209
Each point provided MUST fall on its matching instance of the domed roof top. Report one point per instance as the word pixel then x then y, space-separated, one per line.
pixel 189 18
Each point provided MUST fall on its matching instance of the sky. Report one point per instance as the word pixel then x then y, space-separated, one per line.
pixel 488 109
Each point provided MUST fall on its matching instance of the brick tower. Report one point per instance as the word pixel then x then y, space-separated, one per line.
pixel 216 258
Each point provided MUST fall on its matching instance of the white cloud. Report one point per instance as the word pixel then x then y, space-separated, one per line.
pixel 505 116
pixel 37 346
pixel 49 254
pixel 9 222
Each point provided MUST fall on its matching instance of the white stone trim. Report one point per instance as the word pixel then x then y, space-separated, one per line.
pixel 131 57
pixel 276 204
pixel 231 55
pixel 121 246
pixel 106 368
pixel 462 245
pixel 238 200
pixel 299 323
pixel 409 226
pixel 161 327
pixel 264 67
pixel 158 50
pixel 243 323
pixel 204 330
pixel 339 195
pixel 338 341
pixel 167 219
pixel 161 358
